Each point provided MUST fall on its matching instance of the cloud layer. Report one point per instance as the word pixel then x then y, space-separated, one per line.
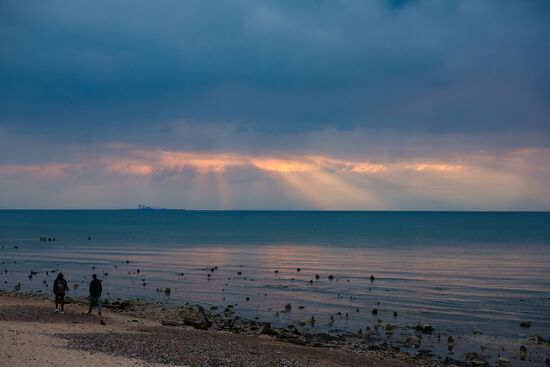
pixel 384 96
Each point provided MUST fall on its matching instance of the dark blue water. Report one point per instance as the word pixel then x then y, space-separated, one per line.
pixel 172 227
pixel 459 271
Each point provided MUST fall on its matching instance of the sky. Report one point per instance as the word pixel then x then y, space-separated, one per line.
pixel 333 105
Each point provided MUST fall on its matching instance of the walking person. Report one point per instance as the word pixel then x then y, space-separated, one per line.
pixel 95 297
pixel 59 288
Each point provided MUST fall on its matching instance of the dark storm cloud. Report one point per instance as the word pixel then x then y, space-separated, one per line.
pixel 99 70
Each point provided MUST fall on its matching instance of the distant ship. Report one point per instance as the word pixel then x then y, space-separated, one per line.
pixel 145 207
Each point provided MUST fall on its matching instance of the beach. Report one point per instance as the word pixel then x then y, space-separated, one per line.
pixel 33 335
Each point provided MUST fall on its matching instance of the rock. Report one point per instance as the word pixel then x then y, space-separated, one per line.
pixel 375 311
pixel 424 328
pixel 330 277
pixel 298 269
pixel 317 276
pixel 267 329
pixel 476 359
pixel 413 341
pixel 539 340
pixel 525 324
pixel 424 353
pixel 450 344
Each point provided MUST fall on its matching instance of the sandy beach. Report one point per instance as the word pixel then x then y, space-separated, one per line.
pixel 33 335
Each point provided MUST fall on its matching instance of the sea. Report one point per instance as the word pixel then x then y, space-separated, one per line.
pixel 474 276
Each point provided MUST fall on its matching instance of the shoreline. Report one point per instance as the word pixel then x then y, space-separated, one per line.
pixel 411 345
pixel 142 332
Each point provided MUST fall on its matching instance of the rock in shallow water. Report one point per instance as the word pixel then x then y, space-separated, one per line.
pixel 424 328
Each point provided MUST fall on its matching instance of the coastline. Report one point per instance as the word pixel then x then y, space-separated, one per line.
pixel 149 334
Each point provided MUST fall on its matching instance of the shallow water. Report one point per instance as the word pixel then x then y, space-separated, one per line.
pixel 460 272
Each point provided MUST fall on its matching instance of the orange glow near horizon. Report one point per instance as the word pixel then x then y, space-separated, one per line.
pixel 434 167
pixel 325 182
pixel 281 165
pixel 147 162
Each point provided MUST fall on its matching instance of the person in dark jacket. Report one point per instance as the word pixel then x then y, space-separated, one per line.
pixel 59 289
pixel 95 297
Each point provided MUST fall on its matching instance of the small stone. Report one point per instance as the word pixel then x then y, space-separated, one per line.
pixel 525 324
pixel 424 328
pixel 476 359
pixel 413 341
pixel 375 311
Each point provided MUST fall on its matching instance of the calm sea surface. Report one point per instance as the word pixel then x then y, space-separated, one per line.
pixel 459 271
